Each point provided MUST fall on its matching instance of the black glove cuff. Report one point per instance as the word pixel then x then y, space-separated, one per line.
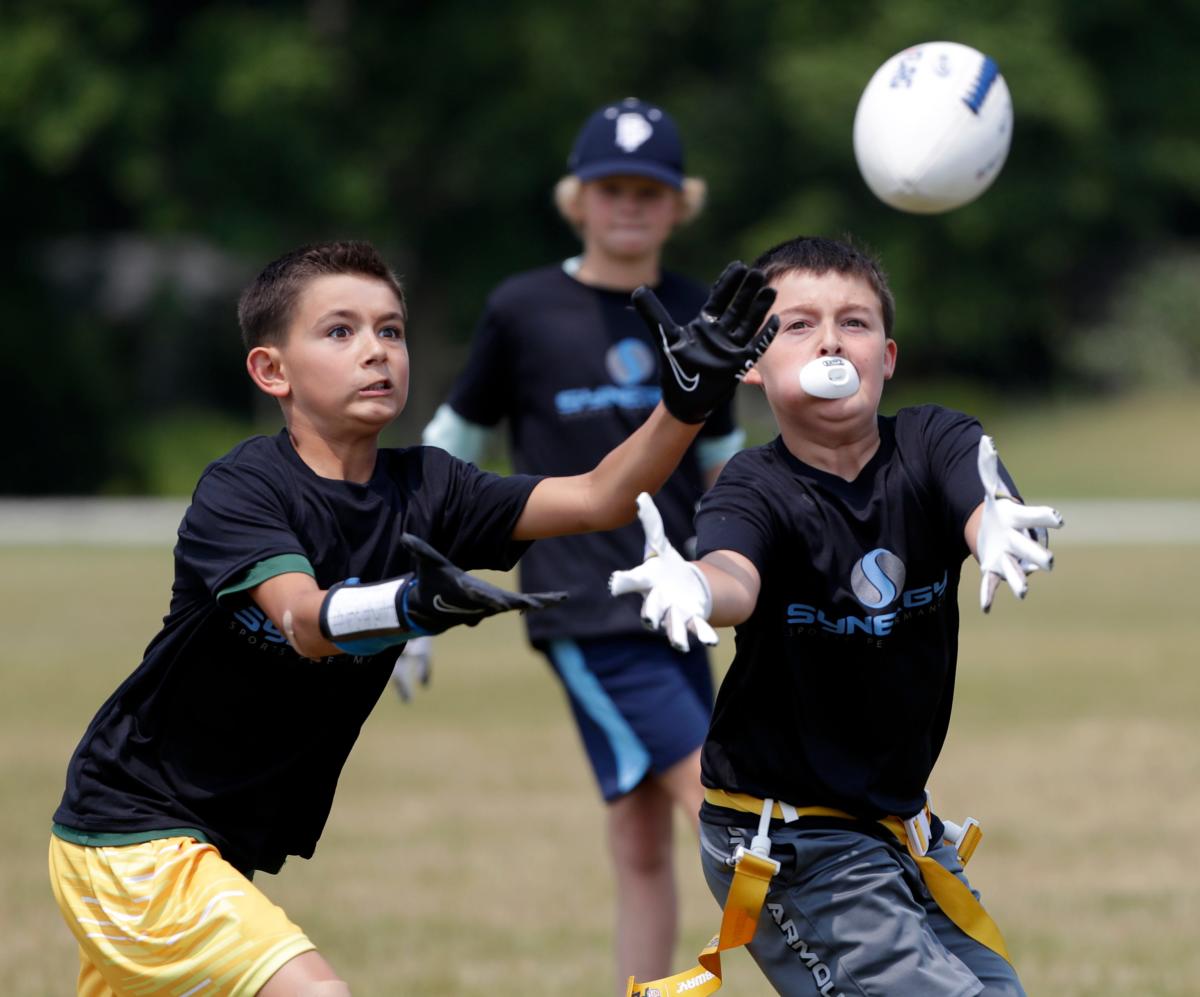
pixel 685 414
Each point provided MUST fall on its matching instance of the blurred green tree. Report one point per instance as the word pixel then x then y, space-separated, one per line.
pixel 153 155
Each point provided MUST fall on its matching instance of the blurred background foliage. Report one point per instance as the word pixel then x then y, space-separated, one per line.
pixel 154 156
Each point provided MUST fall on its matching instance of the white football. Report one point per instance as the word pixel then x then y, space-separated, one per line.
pixel 933 127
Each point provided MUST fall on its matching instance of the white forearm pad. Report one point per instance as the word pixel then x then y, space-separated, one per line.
pixel 351 611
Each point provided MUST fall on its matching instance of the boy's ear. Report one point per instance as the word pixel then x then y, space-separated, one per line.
pixel 265 366
pixel 572 211
pixel 753 377
pixel 889 359
pixel 682 212
pixel 566 199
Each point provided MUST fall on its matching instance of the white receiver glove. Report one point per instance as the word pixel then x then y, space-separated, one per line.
pixel 1012 541
pixel 413 666
pixel 677 597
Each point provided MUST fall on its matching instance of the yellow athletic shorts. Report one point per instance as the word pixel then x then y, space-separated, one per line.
pixel 168 916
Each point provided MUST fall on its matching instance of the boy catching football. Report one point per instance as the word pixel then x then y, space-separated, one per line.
pixel 835 550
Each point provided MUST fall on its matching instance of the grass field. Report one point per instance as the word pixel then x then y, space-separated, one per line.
pixel 465 854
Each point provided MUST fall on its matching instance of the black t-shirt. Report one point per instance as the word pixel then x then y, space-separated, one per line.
pixel 574 370
pixel 841 686
pixel 223 727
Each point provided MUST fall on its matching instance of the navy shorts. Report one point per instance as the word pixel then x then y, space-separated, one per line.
pixel 848 914
pixel 640 705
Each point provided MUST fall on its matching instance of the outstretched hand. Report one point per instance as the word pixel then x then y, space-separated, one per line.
pixel 704 360
pixel 676 599
pixel 442 595
pixel 367 619
pixel 1012 541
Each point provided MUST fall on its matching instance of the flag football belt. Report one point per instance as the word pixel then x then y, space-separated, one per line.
pixel 754 868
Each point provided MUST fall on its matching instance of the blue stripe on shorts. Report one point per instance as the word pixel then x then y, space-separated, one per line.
pixel 639 705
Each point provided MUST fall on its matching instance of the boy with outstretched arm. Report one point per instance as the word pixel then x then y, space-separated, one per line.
pixel 304 561
pixel 835 550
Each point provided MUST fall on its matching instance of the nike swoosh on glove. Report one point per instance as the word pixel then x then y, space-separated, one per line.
pixel 442 595
pixel 703 360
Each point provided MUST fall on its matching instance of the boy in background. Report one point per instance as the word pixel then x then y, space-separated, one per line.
pixel 303 562
pixel 835 551
pixel 560 355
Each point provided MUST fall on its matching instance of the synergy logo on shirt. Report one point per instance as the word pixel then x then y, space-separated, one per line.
pixel 877 580
pixel 628 362
pixel 255 627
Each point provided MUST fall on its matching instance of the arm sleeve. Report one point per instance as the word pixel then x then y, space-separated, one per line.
pixel 477 513
pixel 734 515
pixel 952 446
pixel 237 519
pixel 482 394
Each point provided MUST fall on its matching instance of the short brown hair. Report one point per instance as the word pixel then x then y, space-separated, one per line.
pixel 818 255
pixel 265 307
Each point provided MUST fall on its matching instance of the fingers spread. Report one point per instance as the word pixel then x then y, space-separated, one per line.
pixel 652 525
pixel 1025 517
pixel 705 633
pixel 755 312
pixel 764 337
pixel 677 631
pixel 987 589
pixel 624 582
pixel 739 308
pixel 1014 576
pixel 654 606
pixel 1026 549
pixel 724 289
pixel 656 317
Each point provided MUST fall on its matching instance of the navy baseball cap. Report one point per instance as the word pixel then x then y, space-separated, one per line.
pixel 628 138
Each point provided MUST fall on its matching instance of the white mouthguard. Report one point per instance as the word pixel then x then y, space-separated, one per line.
pixel 829 377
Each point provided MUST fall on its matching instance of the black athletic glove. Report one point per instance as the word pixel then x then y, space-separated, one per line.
pixel 706 358
pixel 442 596
pixel 367 619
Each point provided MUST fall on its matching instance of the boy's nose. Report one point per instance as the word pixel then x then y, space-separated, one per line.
pixel 831 342
pixel 373 351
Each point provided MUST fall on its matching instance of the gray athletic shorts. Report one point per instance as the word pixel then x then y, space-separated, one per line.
pixel 847 914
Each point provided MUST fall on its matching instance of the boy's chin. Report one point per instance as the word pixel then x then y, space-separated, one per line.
pixel 379 417
pixel 632 248
pixel 802 407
